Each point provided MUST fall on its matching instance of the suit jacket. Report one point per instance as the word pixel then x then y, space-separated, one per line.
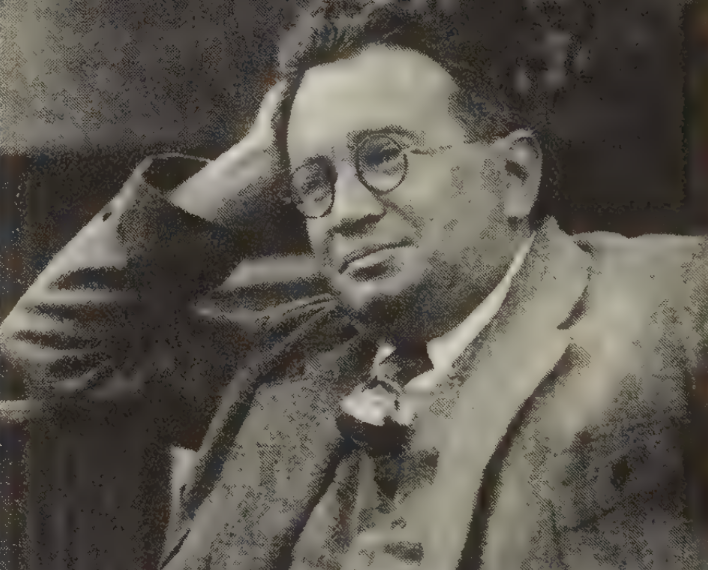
pixel 563 436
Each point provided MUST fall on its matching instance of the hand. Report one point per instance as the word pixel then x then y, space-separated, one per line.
pixel 220 187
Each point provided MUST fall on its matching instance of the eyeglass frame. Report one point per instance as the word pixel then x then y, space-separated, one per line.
pixel 332 176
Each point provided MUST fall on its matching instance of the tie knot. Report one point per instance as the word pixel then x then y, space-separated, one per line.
pixel 398 367
pixel 372 410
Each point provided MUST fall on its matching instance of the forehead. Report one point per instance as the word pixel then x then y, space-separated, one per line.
pixel 379 88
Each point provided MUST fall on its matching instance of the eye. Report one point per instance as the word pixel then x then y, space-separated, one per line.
pixel 381 163
pixel 313 187
pixel 316 176
pixel 307 180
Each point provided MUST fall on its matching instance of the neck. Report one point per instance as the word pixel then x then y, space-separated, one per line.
pixel 416 323
pixel 414 327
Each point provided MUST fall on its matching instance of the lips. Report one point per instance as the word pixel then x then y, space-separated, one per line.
pixel 370 250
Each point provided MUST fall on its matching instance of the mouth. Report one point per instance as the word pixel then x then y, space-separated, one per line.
pixel 369 252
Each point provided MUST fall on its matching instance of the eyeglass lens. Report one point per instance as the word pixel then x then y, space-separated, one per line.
pixel 381 165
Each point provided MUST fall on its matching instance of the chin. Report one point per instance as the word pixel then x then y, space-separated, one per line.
pixel 394 317
pixel 386 304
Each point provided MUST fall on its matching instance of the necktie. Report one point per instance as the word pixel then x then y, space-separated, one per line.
pixel 372 412
pixel 375 472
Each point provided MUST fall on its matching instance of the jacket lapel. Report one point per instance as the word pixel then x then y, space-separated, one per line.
pixel 594 475
pixel 274 456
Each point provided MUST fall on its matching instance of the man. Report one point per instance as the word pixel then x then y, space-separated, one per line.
pixel 466 387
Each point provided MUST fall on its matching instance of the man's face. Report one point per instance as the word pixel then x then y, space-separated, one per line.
pixel 413 204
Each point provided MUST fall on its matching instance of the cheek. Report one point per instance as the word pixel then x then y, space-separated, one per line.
pixel 461 209
pixel 476 201
pixel 318 232
pixel 469 228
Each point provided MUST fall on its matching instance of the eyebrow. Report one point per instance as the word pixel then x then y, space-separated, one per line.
pixel 318 159
pixel 354 138
pixel 430 151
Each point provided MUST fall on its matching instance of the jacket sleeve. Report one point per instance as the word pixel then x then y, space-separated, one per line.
pixel 126 312
pixel 150 323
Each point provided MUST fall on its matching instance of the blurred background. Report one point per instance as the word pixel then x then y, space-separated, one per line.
pixel 90 87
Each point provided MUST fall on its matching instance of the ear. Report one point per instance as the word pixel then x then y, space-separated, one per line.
pixel 520 161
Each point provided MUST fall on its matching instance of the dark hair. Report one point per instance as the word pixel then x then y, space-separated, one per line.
pixel 341 30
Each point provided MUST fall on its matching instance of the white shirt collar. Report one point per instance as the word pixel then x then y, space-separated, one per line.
pixel 443 350
pixel 374 404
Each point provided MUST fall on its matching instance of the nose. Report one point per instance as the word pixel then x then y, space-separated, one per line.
pixel 355 207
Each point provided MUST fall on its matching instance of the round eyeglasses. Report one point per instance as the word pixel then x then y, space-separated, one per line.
pixel 381 165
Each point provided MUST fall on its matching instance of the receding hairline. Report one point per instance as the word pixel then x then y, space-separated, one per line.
pixel 431 66
pixel 474 102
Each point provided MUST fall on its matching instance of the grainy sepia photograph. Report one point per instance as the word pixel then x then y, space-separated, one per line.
pixel 353 284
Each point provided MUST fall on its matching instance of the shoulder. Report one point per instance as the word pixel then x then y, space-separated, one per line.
pixel 659 262
pixel 638 281
pixel 604 453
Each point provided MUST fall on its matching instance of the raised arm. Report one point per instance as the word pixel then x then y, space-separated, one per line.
pixel 116 305
pixel 129 338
